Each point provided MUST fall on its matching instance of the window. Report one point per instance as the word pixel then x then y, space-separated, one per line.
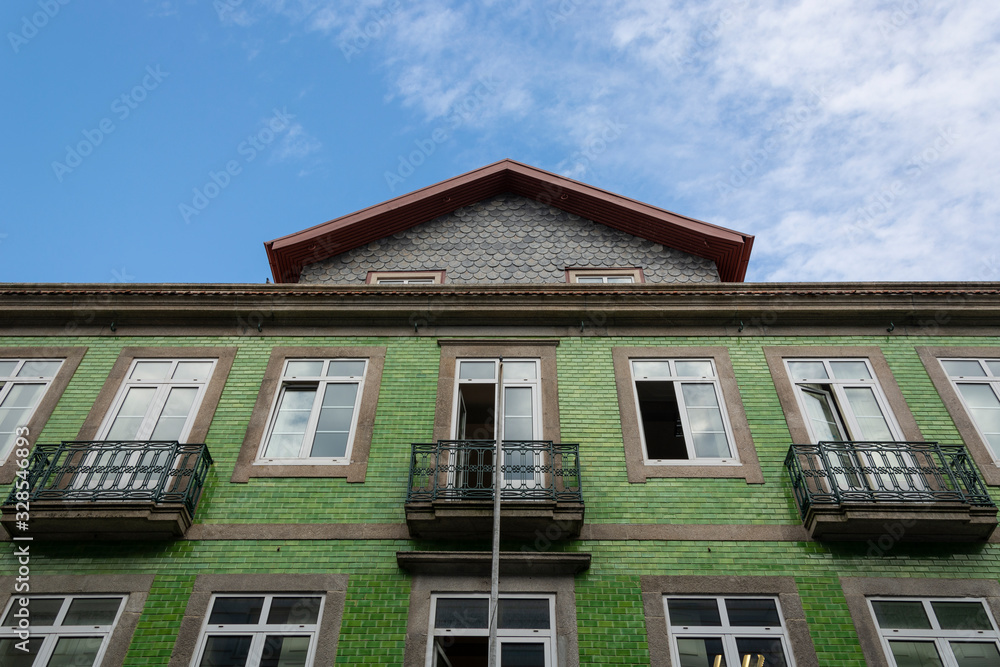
pixel 64 630
pixel 952 632
pixel 22 384
pixel 405 277
pixel 681 411
pixel 260 631
pixel 842 400
pixel 704 628
pixel 315 414
pixel 261 620
pixel 315 411
pixel 721 621
pixel 978 384
pixel 460 631
pixel 157 400
pixel 682 415
pixel 604 276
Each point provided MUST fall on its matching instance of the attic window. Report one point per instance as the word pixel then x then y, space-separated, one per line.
pixel 604 275
pixel 405 277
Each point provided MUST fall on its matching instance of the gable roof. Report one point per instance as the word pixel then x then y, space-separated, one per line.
pixel 730 250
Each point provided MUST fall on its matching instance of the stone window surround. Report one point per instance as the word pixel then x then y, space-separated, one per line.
pixel 224 357
pixel 356 470
pixel 136 586
pixel 858 589
pixel 454 349
pixel 783 385
pixel 638 470
pixel 436 275
pixel 572 273
pixel 980 451
pixel 654 588
pixel 71 356
pixel 423 586
pixel 332 586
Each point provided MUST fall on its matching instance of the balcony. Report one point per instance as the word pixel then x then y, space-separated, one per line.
pixel 450 493
pixel 890 492
pixel 109 490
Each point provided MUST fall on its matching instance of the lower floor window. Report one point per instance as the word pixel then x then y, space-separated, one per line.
pixel 260 631
pixel 460 630
pixel 936 632
pixel 727 631
pixel 64 630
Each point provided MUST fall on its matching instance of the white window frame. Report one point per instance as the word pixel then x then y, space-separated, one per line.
pixel 843 413
pixel 260 630
pixel 8 382
pixel 51 634
pixel 990 379
pixel 163 388
pixel 320 382
pixel 675 379
pixel 405 277
pixel 546 637
pixel 726 632
pixel 574 275
pixel 941 638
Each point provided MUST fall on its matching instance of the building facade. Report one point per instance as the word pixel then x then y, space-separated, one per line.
pixel 695 471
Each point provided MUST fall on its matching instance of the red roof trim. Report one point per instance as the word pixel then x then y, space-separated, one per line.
pixel 730 250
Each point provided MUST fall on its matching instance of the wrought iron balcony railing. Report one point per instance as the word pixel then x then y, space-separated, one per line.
pixel 834 473
pixel 463 470
pixel 106 471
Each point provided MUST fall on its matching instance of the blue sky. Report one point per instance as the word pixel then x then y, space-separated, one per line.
pixel 166 140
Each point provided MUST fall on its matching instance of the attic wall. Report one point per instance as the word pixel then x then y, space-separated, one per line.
pixel 511 239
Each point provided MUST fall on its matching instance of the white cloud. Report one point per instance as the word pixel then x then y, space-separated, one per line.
pixel 296 144
pixel 815 126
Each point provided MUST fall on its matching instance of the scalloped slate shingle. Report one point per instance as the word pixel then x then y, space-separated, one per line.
pixel 510 239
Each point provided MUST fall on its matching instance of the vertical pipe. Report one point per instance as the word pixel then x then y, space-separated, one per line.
pixel 495 573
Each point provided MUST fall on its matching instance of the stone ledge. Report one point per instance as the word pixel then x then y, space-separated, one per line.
pixel 473 520
pixel 479 563
pixel 911 522
pixel 100 521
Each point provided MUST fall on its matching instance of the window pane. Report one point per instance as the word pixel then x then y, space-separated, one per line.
pixel 821 416
pixel 16 410
pixel 807 370
pixel 700 652
pixel 284 651
pixel 329 445
pixel 589 279
pixel 290 422
pixel 699 369
pixel 43 611
pixel 297 611
pixel 236 611
pixel 961 615
pixel 193 370
pixel 519 614
pixel 151 370
pixel 346 369
pixel 978 395
pixel 518 370
pixel 900 615
pixel 748 612
pixel 850 370
pixel 698 612
pixel 620 279
pixel 7 368
pixel 15 657
pixel 226 651
pixel 335 419
pixel 522 654
pixel 868 413
pixel 462 613
pixel 476 370
pixel 915 654
pixel 175 414
pixel 75 652
pixel 994 366
pixel 651 369
pixel 976 654
pixel 304 369
pixel 38 369
pixel 131 414
pixel 92 611
pixel 964 368
pixel 700 395
pixel 710 445
pixel 757 647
